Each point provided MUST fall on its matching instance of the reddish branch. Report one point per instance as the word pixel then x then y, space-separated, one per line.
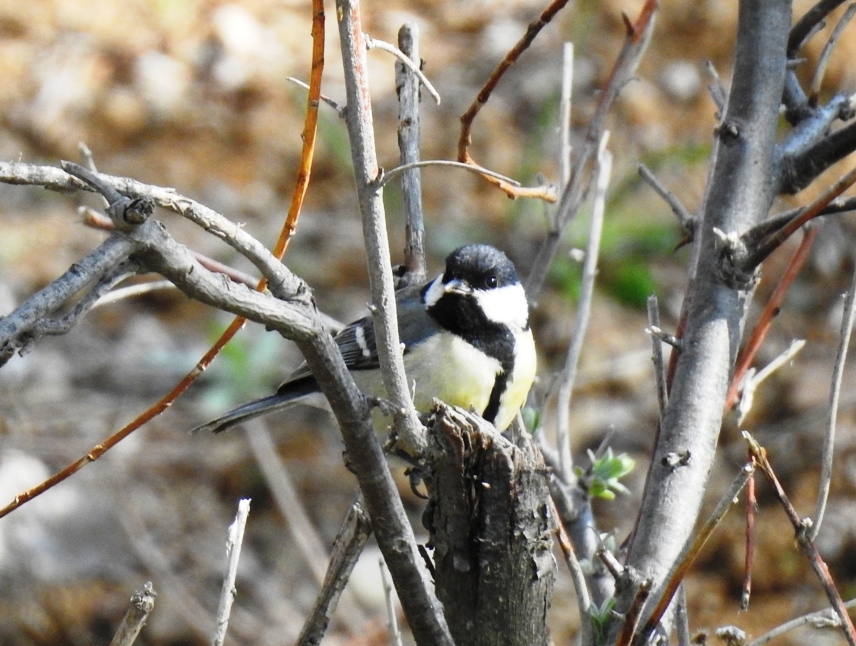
pixel 288 229
pixel 771 310
pixel 467 119
pixel 806 545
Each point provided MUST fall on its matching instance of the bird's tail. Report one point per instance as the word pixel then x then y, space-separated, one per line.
pixel 284 398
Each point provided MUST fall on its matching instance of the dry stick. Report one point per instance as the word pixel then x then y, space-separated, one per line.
pixel 765 321
pixel 717 90
pixel 751 509
pixel 657 354
pixel 184 600
pixel 636 39
pixel 682 620
pixel 142 603
pixel 95 220
pixel 394 632
pixel 771 242
pixel 684 216
pixel 807 545
pixel 352 536
pixel 817 80
pixel 577 577
pixel 373 43
pixel 407 85
pixel 634 613
pixel 569 371
pixel 386 176
pixel 467 119
pixel 820 619
pixel 835 391
pixel 565 105
pixel 395 538
pixel 359 120
pixel 107 256
pixel 753 380
pixel 691 551
pixel 309 133
pixel 340 109
pixel 233 555
pixel 809 23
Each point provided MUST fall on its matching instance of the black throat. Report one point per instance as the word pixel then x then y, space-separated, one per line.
pixel 462 316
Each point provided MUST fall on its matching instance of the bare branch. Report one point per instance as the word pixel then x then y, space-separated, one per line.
pixel 395 535
pixel 823 61
pixel 684 216
pixel 847 319
pixel 568 375
pixel 233 555
pixel 657 355
pixel 355 531
pixel 373 43
pixel 142 604
pixel 407 85
pixel 573 194
pixel 340 109
pixel 820 619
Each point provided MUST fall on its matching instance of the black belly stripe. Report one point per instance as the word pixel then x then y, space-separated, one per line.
pixel 462 316
pixel 492 408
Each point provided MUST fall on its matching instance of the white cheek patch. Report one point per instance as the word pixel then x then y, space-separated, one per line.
pixel 435 291
pixel 505 305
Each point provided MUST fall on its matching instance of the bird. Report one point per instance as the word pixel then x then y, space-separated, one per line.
pixel 466 339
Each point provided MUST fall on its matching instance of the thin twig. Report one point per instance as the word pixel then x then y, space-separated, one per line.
pixel 765 321
pixel 847 320
pixel 808 24
pixel 407 85
pixel 355 531
pixel 717 90
pixel 823 61
pixel 387 175
pixel 577 576
pixel 754 379
pixel 820 619
pixel 682 620
pixel 692 548
pixel 584 305
pixel 340 109
pixel 657 355
pixel 374 43
pixel 142 604
pixel 684 216
pixel 774 240
pixel 636 39
pixel 565 105
pixel 749 561
pixel 483 96
pixel 394 632
pixel 807 546
pixel 233 555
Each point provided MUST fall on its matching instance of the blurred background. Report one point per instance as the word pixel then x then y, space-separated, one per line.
pixel 193 94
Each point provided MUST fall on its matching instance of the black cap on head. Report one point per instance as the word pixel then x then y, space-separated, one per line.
pixel 482 266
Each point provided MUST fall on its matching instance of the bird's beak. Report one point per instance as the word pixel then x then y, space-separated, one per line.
pixel 458 286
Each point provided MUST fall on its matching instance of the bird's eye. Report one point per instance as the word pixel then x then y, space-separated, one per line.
pixel 491 281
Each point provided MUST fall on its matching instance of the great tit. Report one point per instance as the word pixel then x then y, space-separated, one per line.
pixel 466 341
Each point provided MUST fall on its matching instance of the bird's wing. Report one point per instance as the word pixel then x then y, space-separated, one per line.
pixel 357 341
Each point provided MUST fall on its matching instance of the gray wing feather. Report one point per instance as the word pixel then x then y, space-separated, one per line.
pixel 357 341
